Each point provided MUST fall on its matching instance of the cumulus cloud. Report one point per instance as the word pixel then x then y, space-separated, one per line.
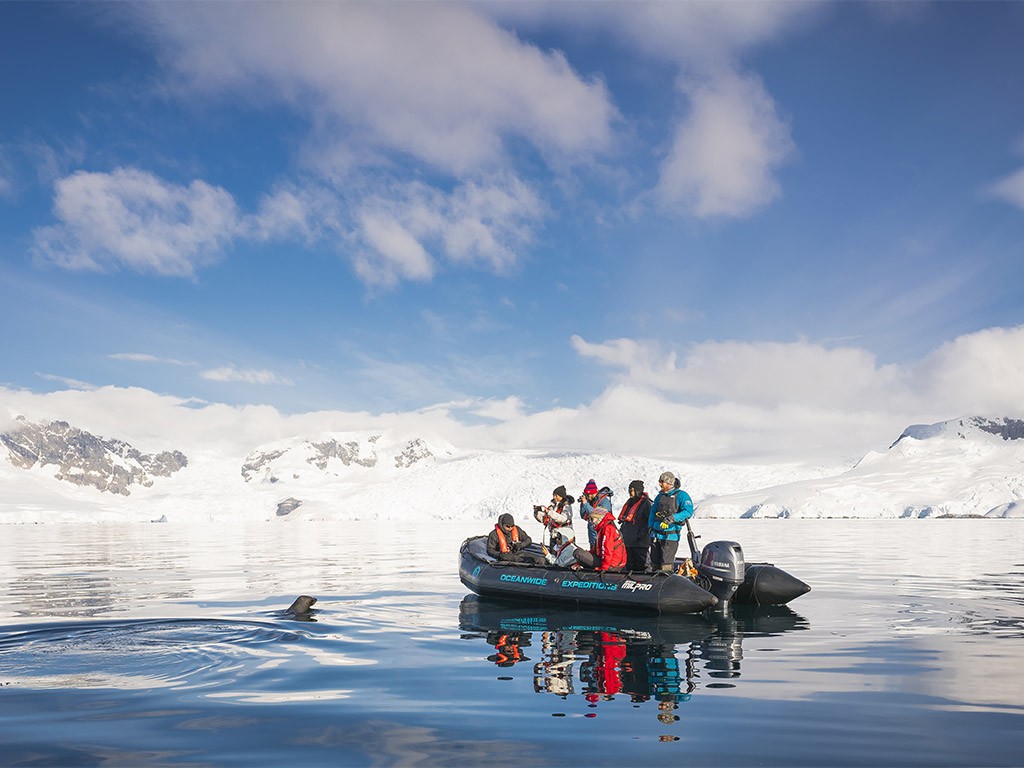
pixel 447 88
pixel 309 213
pixel 230 373
pixel 441 82
pixel 730 141
pixel 131 219
pixel 713 401
pixel 743 398
pixel 704 34
pixel 506 409
pixel 726 150
pixel 980 372
pixel 405 229
pixel 761 373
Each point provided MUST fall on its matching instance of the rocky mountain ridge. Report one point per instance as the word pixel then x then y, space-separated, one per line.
pixel 964 467
pixel 966 428
pixel 114 466
pixel 81 458
pixel 332 455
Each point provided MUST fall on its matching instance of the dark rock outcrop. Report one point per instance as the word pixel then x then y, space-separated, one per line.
pixel 287 506
pixel 84 459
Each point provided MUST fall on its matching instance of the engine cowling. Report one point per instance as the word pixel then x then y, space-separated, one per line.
pixel 721 570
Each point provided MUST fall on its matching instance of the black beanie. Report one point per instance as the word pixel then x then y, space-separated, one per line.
pixel 638 486
pixel 559 491
pixel 506 521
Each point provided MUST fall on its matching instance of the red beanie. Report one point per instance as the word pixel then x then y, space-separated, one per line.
pixel 591 487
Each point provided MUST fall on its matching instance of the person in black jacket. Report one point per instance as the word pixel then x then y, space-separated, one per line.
pixel 508 542
pixel 633 524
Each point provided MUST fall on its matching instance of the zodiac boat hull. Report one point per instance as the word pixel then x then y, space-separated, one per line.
pixel 659 592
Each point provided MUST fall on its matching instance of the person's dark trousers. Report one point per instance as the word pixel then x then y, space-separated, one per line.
pixel 663 554
pixel 585 558
pixel 531 558
pixel 637 558
pixel 523 558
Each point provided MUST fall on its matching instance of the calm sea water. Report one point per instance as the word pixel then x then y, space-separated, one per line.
pixel 164 645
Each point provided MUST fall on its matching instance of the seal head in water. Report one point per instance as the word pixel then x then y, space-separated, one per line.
pixel 301 605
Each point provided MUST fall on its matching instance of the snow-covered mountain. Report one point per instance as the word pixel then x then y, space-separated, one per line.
pixel 969 466
pixel 55 472
pixel 83 459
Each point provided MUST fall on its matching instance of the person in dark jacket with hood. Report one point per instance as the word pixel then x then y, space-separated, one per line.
pixel 633 525
pixel 507 543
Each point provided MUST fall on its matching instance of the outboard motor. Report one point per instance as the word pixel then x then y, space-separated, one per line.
pixel 721 571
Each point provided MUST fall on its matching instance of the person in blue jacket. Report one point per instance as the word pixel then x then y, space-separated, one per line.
pixel 669 510
pixel 593 499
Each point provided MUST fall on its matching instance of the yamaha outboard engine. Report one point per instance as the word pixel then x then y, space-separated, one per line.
pixel 721 570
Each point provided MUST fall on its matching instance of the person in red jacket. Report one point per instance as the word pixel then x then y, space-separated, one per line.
pixel 609 553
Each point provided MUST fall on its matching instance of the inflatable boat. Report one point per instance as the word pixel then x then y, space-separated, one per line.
pixel 722 578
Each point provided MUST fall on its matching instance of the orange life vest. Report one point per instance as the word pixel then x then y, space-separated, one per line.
pixel 503 542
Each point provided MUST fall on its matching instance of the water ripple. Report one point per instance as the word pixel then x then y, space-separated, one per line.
pixel 144 653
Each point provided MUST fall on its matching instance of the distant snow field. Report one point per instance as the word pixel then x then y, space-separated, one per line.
pixel 52 472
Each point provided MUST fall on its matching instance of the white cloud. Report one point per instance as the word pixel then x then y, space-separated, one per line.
pixel 695 34
pixel 1010 189
pixel 980 372
pixel 760 373
pixel 715 401
pixel 407 228
pixel 395 254
pixel 726 150
pixel 506 409
pixel 230 373
pixel 440 82
pixel 285 213
pixel 6 174
pixel 132 219
pixel 485 219
pixel 143 357
pixel 740 398
pixel 66 381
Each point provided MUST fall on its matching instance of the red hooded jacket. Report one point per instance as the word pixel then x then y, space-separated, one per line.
pixel 609 549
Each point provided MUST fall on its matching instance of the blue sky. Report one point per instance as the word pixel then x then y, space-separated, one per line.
pixel 744 228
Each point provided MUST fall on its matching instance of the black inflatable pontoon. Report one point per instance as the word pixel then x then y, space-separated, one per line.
pixel 662 592
pixel 722 579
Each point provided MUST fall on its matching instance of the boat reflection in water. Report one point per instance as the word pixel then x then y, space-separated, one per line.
pixel 602 655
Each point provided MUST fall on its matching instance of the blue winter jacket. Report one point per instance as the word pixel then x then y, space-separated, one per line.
pixel 585 509
pixel 683 511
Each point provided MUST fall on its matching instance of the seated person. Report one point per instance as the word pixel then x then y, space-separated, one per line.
pixel 507 543
pixel 609 553
pixel 562 553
